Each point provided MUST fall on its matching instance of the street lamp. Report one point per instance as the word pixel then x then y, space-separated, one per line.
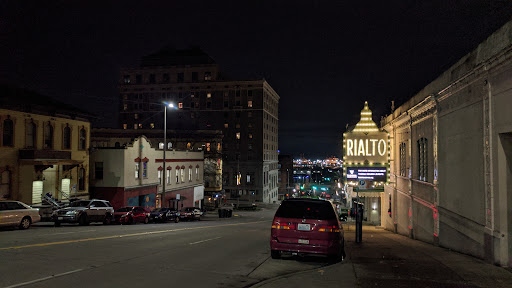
pixel 170 105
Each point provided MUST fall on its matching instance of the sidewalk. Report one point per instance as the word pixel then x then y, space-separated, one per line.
pixel 385 259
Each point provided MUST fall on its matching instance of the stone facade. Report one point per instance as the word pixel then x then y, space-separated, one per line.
pixel 451 154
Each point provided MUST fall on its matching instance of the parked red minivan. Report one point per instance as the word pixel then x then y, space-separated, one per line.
pixel 307 226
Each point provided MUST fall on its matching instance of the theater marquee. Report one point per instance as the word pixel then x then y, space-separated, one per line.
pixel 370 148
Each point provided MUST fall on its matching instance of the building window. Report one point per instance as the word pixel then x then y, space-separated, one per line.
pixel 125 107
pixel 226 104
pixel 168 176
pixel 137 167
pixel 250 135
pixel 249 103
pixel 126 79
pixel 249 147
pixel 197 173
pixel 189 146
pixel 208 147
pixel 145 169
pixel 177 175
pixel 48 136
pixel 152 78
pixel 31 135
pixel 402 159
pixel 98 170
pixel 237 125
pixel 152 125
pixel 182 172
pixel 422 159
pixel 226 125
pixel 207 76
pixel 138 79
pixel 209 104
pixel 166 78
pixel 195 77
pixel 135 126
pixel 189 174
pixel 82 143
pixel 249 114
pixel 249 179
pixel 81 179
pixel 181 77
pixel 66 137
pixel 180 105
pixel 208 95
pixel 238 135
pixel 159 176
pixel 8 133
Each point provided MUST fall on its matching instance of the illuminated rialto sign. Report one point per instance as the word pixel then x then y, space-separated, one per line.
pixel 369 147
pixel 366 147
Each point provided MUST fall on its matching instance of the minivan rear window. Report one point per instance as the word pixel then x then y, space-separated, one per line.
pixel 306 210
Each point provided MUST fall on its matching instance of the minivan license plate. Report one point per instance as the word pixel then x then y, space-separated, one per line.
pixel 303 241
pixel 304 227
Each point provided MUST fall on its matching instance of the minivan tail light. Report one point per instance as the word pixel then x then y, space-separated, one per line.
pixel 328 228
pixel 283 226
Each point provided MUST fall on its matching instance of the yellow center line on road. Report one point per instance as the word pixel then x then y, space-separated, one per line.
pixel 122 236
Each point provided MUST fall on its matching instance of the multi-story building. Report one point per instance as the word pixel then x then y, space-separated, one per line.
pixel 134 175
pixel 285 176
pixel 451 156
pixel 44 148
pixel 208 141
pixel 245 111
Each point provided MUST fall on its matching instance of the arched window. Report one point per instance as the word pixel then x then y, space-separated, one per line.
pixel 189 146
pixel 82 139
pixel 31 135
pixel 81 179
pixel 8 133
pixel 67 137
pixel 48 136
pixel 5 184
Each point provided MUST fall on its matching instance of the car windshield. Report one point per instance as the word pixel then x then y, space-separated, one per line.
pixel 124 209
pixel 79 203
pixel 321 210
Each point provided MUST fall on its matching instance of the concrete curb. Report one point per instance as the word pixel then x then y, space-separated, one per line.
pixel 270 280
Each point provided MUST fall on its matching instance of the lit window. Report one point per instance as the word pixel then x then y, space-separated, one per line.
pixel 182 172
pixel 152 125
pixel 145 169
pixel 125 107
pixel 250 135
pixel 168 176
pixel 208 95
pixel 137 170
pixel 249 103
pixel 197 173
pixel 161 145
pixel 207 76
pixel 207 146
pixel 140 125
pixel 135 116
pixel 135 126
pixel 226 125
pixel 125 126
pixel 180 105
pixel 237 135
pixel 159 176
pixel 177 175
pixel 190 174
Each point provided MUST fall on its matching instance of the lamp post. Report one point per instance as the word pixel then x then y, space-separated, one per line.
pixel 170 105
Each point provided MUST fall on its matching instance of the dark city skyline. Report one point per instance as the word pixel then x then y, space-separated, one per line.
pixel 323 59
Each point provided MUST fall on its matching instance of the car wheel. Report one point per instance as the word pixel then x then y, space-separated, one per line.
pixel 146 220
pixel 25 223
pixel 275 254
pixel 108 220
pixel 83 220
pixel 177 219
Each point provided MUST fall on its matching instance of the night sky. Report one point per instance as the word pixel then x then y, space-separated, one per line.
pixel 324 58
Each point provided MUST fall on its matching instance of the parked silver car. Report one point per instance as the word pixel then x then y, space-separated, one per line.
pixel 84 212
pixel 16 213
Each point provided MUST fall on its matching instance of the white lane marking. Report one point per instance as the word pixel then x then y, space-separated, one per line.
pixel 43 279
pixel 204 240
pixel 73 232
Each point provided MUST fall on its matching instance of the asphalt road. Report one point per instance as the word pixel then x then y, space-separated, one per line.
pixel 227 252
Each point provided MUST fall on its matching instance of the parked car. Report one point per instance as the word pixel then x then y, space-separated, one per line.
pixel 131 214
pixel 164 215
pixel 190 213
pixel 16 213
pixel 84 212
pixel 307 226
